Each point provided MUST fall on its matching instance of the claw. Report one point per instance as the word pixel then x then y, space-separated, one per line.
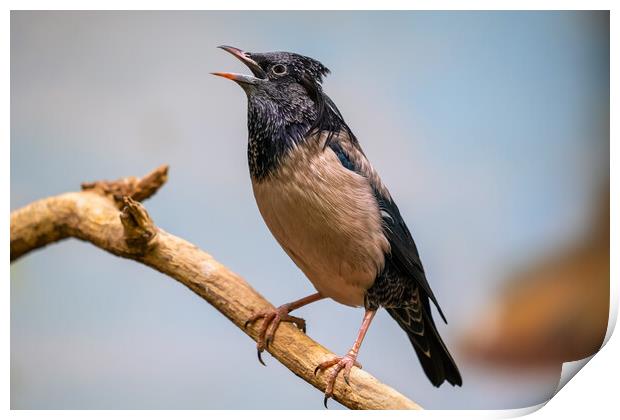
pixel 300 323
pixel 344 363
pixel 254 319
pixel 271 320
pixel 347 371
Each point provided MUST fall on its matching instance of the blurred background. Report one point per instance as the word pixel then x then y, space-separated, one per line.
pixel 491 130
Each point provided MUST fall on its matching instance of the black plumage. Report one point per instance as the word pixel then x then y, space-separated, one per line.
pixel 290 120
pixel 402 287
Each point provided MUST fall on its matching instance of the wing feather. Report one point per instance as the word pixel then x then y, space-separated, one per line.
pixel 403 248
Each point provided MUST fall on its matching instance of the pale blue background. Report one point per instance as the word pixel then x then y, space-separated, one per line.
pixel 490 129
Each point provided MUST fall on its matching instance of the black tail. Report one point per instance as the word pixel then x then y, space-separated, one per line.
pixel 431 350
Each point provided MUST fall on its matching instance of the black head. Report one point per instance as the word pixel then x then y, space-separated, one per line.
pixel 286 102
pixel 279 66
pixel 285 87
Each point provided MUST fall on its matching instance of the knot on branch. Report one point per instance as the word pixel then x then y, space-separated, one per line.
pixel 140 231
pixel 136 188
pixel 92 218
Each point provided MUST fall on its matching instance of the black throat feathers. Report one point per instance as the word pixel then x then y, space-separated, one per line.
pixel 282 120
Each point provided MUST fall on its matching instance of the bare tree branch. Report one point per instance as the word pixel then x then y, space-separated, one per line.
pixel 109 215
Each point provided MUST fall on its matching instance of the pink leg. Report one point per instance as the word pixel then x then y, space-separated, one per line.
pixel 273 317
pixel 345 362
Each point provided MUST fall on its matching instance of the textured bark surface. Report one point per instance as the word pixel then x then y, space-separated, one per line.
pixel 109 215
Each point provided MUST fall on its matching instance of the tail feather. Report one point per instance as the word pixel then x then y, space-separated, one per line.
pixel 430 348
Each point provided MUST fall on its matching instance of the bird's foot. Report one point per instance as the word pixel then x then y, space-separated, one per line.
pixel 345 363
pixel 272 319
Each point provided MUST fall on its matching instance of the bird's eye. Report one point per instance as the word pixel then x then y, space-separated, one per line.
pixel 278 69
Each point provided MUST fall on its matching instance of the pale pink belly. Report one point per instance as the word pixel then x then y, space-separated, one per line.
pixel 327 220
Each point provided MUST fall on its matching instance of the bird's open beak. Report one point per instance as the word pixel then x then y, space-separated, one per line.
pixel 247 60
pixel 241 78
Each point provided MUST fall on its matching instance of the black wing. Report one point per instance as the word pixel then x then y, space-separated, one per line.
pixel 404 251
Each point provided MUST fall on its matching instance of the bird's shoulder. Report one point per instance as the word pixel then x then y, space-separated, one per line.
pixel 403 249
pixel 352 157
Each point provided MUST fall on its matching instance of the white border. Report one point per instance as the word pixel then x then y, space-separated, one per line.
pixel 593 393
pixel 312 5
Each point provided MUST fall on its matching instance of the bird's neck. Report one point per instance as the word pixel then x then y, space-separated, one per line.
pixel 273 130
pixel 276 127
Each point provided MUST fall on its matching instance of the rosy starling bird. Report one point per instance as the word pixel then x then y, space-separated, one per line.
pixel 327 207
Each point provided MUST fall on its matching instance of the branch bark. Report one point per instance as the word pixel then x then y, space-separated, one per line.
pixel 109 215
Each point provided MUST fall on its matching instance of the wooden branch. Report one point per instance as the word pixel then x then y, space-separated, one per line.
pixel 109 215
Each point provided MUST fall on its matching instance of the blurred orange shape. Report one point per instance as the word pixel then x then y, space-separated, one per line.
pixel 555 310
